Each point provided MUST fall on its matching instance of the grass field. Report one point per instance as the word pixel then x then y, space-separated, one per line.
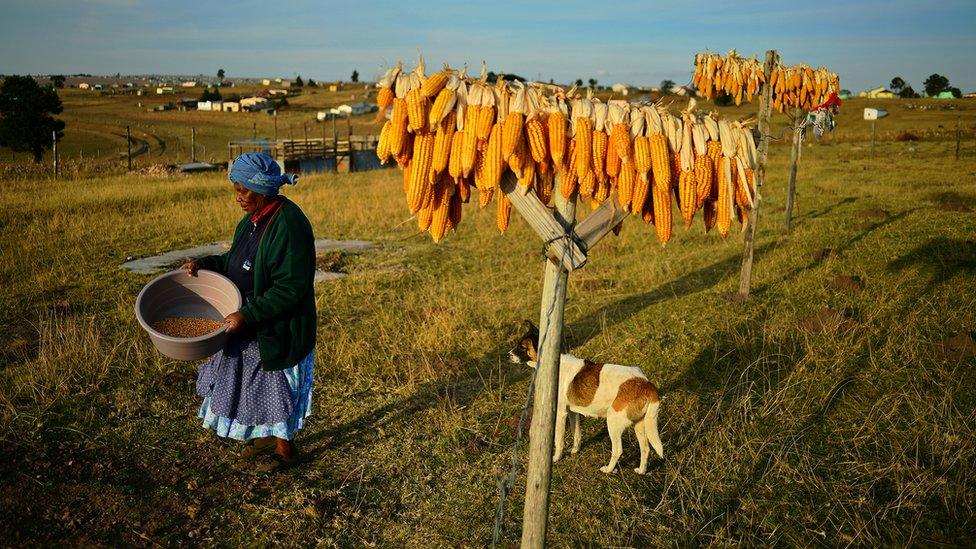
pixel 837 407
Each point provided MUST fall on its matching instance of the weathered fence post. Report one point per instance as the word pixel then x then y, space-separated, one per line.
pixel 541 434
pixel 275 125
pixel 193 144
pixel 54 150
pixel 128 144
pixel 765 108
pixel 794 161
pixel 873 133
pixel 958 134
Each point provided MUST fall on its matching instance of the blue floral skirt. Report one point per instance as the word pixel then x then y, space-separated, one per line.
pixel 241 401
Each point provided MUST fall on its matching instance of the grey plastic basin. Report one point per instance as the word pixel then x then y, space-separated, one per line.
pixel 177 294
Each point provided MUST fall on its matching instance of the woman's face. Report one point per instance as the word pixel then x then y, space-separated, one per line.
pixel 248 200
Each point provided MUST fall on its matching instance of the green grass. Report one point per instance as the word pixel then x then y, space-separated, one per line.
pixel 775 432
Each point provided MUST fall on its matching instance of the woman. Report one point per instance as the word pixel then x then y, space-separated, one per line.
pixel 258 389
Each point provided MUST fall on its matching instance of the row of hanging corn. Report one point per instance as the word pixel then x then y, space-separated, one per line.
pixel 742 79
pixel 449 133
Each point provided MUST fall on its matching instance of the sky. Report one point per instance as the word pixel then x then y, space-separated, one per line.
pixel 867 42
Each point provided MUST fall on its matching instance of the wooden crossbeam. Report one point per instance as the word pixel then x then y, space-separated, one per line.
pixel 559 249
pixel 600 222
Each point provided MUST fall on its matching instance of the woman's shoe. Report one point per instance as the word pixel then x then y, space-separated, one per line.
pixel 258 447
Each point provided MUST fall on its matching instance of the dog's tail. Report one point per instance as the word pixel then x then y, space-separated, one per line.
pixel 650 427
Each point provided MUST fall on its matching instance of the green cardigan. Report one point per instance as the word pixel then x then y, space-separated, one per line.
pixel 283 309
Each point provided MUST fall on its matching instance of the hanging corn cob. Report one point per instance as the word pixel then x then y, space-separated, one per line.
pixel 385 92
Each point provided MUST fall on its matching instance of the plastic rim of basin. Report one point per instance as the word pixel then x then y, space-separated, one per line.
pixel 176 293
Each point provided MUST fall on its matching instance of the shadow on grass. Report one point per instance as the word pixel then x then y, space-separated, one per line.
pixel 826 209
pixel 941 258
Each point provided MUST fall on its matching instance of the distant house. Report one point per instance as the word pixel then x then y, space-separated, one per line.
pixel 683 91
pixel 253 103
pixel 189 84
pixel 322 116
pixel 335 86
pixel 97 86
pixel 84 86
pixel 624 89
pixel 277 81
pixel 277 92
pixel 186 104
pixel 266 82
pixel 970 95
pixel 163 90
pixel 210 105
pixel 231 106
pixel 877 93
pixel 353 109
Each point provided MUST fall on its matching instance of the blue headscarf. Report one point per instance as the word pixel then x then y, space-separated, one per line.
pixel 259 172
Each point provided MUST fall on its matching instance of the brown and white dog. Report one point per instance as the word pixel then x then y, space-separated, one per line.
pixel 622 394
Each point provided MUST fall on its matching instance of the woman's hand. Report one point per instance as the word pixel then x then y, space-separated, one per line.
pixel 234 321
pixel 190 267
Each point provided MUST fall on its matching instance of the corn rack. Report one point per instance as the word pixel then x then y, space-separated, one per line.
pixel 528 145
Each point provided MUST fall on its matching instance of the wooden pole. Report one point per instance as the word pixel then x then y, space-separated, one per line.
pixel 794 161
pixel 254 130
pixel 193 144
pixel 128 144
pixel 872 136
pixel 541 434
pixel 765 109
pixel 54 150
pixel 276 125
pixel 958 134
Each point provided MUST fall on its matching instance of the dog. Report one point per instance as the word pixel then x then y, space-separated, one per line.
pixel 621 394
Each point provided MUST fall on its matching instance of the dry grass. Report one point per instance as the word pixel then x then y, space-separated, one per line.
pixel 856 431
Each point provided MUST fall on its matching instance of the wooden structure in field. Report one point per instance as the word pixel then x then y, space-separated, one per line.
pixel 355 153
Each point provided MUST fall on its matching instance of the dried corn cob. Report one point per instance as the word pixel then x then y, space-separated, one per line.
pixel 398 126
pixel 443 190
pixel 425 215
pixel 494 162
pixel 514 122
pixel 583 135
pixel 383 145
pixel 662 213
pixel 587 184
pixel 406 153
pixel 454 210
pixel 417 106
pixel 703 178
pixel 442 144
pixel 545 183
pixel 599 145
pixel 626 182
pixel 457 149
pixel 568 182
pixel 687 196
pixel 484 197
pixel 420 185
pixel 660 161
pixel 556 132
pixel 503 213
pixel 642 156
pixel 535 130
pixel 725 199
pixel 435 83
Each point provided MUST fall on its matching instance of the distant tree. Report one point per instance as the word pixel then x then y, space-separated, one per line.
pixel 298 81
pixel 57 80
pixel 355 76
pixel 907 93
pixel 220 74
pixel 846 92
pixel 493 77
pixel 592 82
pixel 579 82
pixel 956 92
pixel 935 84
pixel 551 81
pixel 25 116
pixel 311 83
pixel 211 94
pixel 897 84
pixel 667 86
